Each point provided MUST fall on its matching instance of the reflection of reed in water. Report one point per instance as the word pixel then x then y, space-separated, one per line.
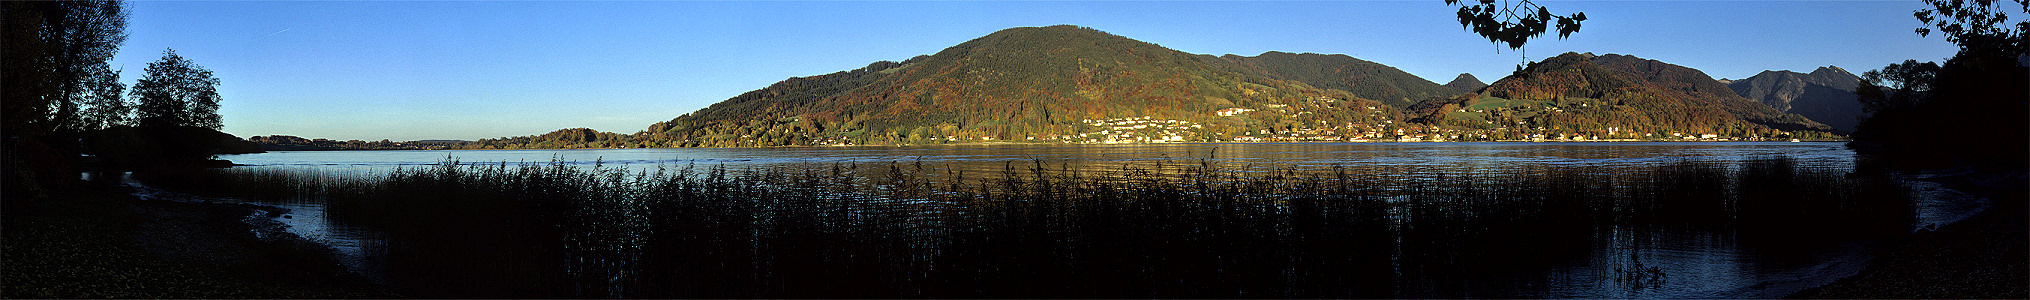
pixel 1037 229
pixel 1637 276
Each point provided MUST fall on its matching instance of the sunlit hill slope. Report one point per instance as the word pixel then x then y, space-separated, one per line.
pixel 1614 96
pixel 1058 83
pixel 1069 84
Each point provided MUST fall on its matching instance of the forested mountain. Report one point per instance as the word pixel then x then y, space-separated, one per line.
pixel 1058 83
pixel 1825 95
pixel 1364 79
pixel 1068 84
pixel 1615 96
pixel 1465 83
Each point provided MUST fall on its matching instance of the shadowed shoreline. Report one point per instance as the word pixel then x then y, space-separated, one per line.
pixel 106 243
pixel 1966 259
pixel 1983 256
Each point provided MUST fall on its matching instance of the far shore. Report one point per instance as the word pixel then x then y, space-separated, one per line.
pixel 1080 144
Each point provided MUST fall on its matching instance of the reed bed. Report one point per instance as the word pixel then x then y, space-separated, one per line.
pixel 1035 230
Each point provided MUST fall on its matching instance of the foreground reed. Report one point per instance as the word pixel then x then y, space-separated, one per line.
pixel 1034 230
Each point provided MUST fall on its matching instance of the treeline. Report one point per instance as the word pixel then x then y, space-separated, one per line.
pixel 573 138
pixel 293 143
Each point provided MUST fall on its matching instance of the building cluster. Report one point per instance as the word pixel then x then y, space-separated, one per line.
pixel 1143 129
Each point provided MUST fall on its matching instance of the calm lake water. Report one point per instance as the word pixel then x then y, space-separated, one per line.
pixel 1430 157
pixel 1691 261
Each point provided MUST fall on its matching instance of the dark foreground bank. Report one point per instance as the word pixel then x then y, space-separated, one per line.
pixel 1981 257
pixel 109 244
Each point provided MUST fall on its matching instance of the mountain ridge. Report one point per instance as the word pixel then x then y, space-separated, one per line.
pixel 1366 79
pixel 1621 92
pixel 1018 83
pixel 1465 83
pixel 1070 84
pixel 1825 95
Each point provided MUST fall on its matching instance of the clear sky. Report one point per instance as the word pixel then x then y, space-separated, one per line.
pixel 479 69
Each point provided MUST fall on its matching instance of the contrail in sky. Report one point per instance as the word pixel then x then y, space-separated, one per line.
pixel 277 32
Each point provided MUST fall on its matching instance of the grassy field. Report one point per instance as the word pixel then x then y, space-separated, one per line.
pixel 1476 111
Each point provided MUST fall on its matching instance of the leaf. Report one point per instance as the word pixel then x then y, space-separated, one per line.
pixel 1465 19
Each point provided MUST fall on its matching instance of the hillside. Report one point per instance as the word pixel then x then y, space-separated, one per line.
pixel 1365 79
pixel 1465 83
pixel 1068 84
pixel 1825 95
pixel 1616 96
pixel 1046 84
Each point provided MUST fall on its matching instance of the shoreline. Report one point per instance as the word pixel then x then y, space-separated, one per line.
pixel 108 243
pixel 1060 144
pixel 1982 256
pixel 1979 257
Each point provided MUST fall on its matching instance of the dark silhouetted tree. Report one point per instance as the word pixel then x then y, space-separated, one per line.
pixel 177 92
pixel 1970 110
pixel 1896 86
pixel 1513 22
pixel 49 52
pixel 53 52
pixel 106 105
pixel 1975 26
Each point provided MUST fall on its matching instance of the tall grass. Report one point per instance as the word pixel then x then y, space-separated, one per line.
pixel 1035 230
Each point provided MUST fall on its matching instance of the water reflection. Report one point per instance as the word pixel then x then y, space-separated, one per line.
pixel 360 249
pixel 986 159
pixel 1609 220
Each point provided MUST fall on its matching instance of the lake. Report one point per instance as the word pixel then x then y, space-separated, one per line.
pixel 1439 156
pixel 1491 242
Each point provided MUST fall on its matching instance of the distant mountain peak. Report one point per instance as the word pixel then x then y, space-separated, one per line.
pixel 1824 95
pixel 1666 90
pixel 1831 70
pixel 1465 83
pixel 1051 83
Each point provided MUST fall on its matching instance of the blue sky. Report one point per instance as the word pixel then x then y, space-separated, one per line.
pixel 479 69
